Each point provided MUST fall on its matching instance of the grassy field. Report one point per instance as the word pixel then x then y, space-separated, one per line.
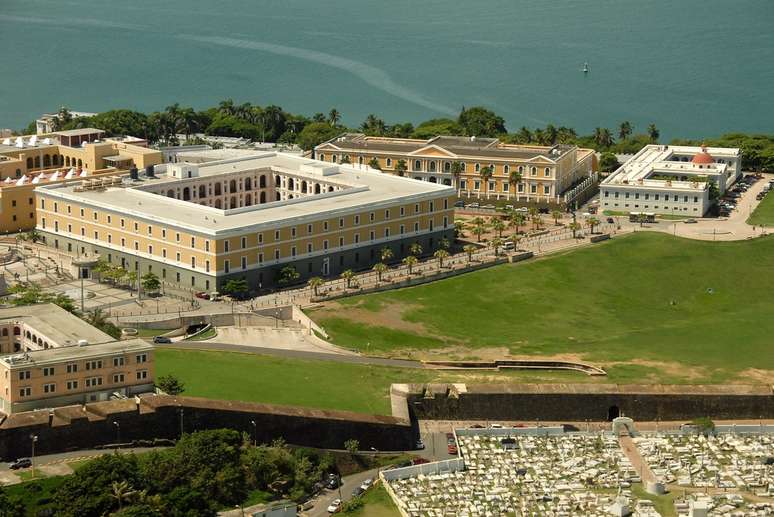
pixel 376 503
pixel 672 309
pixel 764 212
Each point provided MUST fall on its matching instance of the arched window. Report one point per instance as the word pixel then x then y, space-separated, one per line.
pixel 506 169
pixel 248 200
pixel 5 332
pixel 186 194
pixel 278 196
pixel 80 163
pixel 217 203
pixel 432 166
pixel 233 202
pixel 46 160
pixel 30 163
pixel 67 161
pixel 330 188
pixel 316 188
pixel 202 191
pixel 277 181
pixel 417 165
pixel 248 184
pixel 446 167
pixel 303 186
pixel 232 186
pixel 218 190
pixel 533 170
pixel 521 169
pixel 290 184
pixel 16 331
pixel 263 197
pixel 170 193
pixel 262 182
pixel 478 167
pixel 18 173
pixel 28 335
pixel 37 162
pixel 333 158
pixel 360 160
pixel 322 157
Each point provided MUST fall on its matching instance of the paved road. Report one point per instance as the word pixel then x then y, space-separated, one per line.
pixel 322 502
pixel 296 354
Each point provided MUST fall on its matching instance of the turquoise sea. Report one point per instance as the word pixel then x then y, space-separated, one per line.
pixel 693 67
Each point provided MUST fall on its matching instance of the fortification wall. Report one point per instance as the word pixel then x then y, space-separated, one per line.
pixel 568 403
pixel 149 417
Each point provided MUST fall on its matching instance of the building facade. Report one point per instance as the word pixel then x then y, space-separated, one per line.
pixel 60 157
pixel 529 173
pixel 200 225
pixel 49 358
pixel 674 180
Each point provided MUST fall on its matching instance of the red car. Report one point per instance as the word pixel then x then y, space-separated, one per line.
pixel 452 449
pixel 202 295
pixel 419 461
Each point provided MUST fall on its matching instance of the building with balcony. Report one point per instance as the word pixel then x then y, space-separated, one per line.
pixel 49 358
pixel 527 173
pixel 670 179
pixel 246 217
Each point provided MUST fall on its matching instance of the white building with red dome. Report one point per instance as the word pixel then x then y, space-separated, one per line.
pixel 667 179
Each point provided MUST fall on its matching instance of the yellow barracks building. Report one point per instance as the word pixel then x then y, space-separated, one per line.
pixel 249 217
pixel 527 173
pixel 27 162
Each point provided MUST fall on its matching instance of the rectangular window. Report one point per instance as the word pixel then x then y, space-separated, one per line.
pixel 476 185
pixel 207 266
pixel 150 249
pixel 193 242
pixel 49 371
pixel 402 229
pixel 177 256
pixel 72 368
pixel 193 262
pixel 226 266
pixel 72 385
pixel 49 388
pixel 260 258
pixel 325 226
pixel 163 233
pixel 136 226
pixel 150 231
pixel 371 217
pixel 118 361
pixel 25 375
pixel 293 232
pixel 357 219
pixel 341 222
pixel 341 242
pixel 25 392
pixel 491 186
pixel 276 235
pixel 309 229
pixel 463 184
pixel 141 358
pixel 244 242
pixel 118 378
pixel 293 251
pixel 260 238
pixel 142 374
pixel 177 237
pixel 309 247
pixel 123 223
pixel 226 246
pixel 276 254
pixel 402 211
pixel 244 262
pixel 357 238
pixel 325 244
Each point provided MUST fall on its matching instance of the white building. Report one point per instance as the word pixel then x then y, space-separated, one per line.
pixel 665 179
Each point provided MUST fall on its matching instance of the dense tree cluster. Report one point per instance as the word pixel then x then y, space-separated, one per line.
pixel 204 472
pixel 273 124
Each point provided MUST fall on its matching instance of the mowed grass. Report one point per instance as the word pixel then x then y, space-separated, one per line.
pixel 764 212
pixel 647 297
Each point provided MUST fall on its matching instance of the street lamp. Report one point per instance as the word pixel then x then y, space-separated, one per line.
pixel 255 432
pixel 118 433
pixel 34 439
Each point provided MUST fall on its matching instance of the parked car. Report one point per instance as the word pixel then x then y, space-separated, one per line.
pixel 202 295
pixel 450 436
pixel 161 340
pixel 358 491
pixel 419 461
pixel 610 220
pixel 215 296
pixel 21 463
pixel 690 221
pixel 452 449
pixel 474 205
pixel 333 481
pixel 366 484
pixel 459 204
pixel 509 207
pixel 335 506
pixel 488 207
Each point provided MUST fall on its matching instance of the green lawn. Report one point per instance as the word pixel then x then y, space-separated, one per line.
pixel 35 495
pixel 764 213
pixel 376 503
pixel 702 307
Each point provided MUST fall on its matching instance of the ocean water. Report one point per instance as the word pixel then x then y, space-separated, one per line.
pixel 693 67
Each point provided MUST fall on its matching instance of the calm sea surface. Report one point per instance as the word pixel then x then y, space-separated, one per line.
pixel 693 67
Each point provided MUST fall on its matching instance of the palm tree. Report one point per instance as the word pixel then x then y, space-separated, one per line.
pixel 456 171
pixel 514 178
pixel 524 136
pixel 515 240
pixel 380 268
pixel 556 214
pixel 469 249
pixel 550 135
pixel 334 116
pixel 479 227
pixel 121 491
pixel 496 244
pixel 315 282
pixel 653 132
pixel 602 137
pixel 517 219
pixel 410 262
pixel 348 275
pixel 401 168
pixel 574 227
pixel 415 249
pixel 498 225
pixel 534 215
pixel 189 122
pixel 624 130
pixel 386 254
pixel 226 107
pixel 440 255
pixel 486 173
pixel 459 227
pixel 592 222
pixel 374 164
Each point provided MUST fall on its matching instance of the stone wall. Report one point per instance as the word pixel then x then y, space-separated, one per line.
pixel 577 403
pixel 157 416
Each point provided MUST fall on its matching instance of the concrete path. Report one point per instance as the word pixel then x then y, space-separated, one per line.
pixel 276 338
pixel 637 461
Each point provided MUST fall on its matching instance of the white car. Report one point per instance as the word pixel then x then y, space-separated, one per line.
pixel 335 506
pixel 367 484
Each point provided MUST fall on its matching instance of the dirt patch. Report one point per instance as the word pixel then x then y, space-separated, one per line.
pixel 463 353
pixel 754 375
pixel 672 369
pixel 390 315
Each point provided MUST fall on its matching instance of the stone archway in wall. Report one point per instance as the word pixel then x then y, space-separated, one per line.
pixel 613 412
